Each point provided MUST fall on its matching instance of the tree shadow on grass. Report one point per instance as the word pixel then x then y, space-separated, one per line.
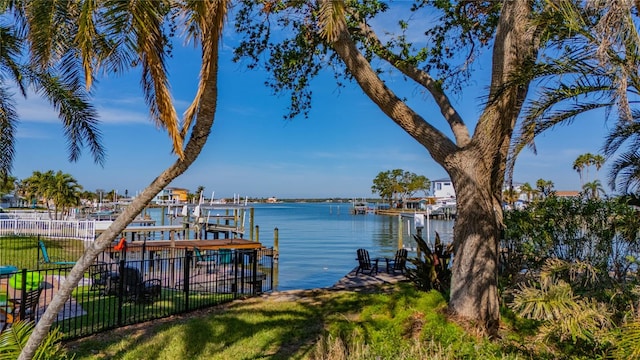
pixel 249 329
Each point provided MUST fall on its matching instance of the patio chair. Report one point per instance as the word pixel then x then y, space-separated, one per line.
pixel 137 290
pixel 46 259
pixel 365 264
pixel 100 274
pixel 26 307
pixel 398 263
pixel 204 261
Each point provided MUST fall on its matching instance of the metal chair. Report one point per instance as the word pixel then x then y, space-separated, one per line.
pixel 137 290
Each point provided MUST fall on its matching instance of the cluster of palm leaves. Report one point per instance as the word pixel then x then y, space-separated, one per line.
pixel 13 340
pixel 597 75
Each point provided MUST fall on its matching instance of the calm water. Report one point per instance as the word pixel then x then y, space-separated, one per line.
pixel 318 241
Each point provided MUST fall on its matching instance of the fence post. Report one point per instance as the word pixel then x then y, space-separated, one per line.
pixel 257 288
pixel 185 280
pixel 39 253
pixel 120 291
pixel 23 292
pixel 234 285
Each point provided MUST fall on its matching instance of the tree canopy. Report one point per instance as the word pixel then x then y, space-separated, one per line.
pixel 397 184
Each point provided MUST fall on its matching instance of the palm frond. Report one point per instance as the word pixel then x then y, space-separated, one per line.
pixel 8 123
pixel 628 344
pixel 13 340
pixel 79 117
pixel 10 51
pixel 623 132
pixel 137 26
pixel 331 19
pixel 84 39
pixel 624 173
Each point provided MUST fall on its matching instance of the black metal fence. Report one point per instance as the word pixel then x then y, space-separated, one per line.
pixel 123 289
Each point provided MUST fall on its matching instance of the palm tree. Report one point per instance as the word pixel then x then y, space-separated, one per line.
pixel 604 73
pixel 139 26
pixel 40 188
pixel 528 190
pixel 65 192
pixel 545 187
pixel 597 161
pixel 510 196
pixel 579 164
pixel 593 189
pixel 200 191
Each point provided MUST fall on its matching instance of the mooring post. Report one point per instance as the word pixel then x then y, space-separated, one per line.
pixel 276 244
pixel 251 212
pixel 257 233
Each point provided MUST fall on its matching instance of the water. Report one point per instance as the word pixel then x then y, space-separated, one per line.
pixel 318 241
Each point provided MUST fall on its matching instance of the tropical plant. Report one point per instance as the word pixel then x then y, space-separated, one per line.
pixel 13 340
pixel 579 165
pixel 593 189
pixel 545 187
pixel 601 75
pixel 58 189
pixel 510 196
pixel 627 345
pixel 603 233
pixel 565 317
pixel 528 190
pixel 432 267
pixel 132 33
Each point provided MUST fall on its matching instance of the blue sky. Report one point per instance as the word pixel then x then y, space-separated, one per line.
pixel 253 151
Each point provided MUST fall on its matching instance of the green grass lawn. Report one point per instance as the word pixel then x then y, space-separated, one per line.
pixel 22 251
pixel 395 322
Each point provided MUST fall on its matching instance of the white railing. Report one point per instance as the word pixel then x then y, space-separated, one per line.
pixel 70 229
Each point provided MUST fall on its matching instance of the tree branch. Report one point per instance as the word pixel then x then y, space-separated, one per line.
pixel 438 144
pixel 457 125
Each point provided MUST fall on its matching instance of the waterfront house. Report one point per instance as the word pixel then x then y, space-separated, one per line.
pixel 443 189
pixel 171 195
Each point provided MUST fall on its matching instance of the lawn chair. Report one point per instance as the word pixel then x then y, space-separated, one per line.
pixel 26 307
pixel 100 274
pixel 365 264
pixel 398 263
pixel 46 259
pixel 204 261
pixel 137 290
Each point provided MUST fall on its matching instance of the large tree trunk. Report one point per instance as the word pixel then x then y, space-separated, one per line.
pixel 474 282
